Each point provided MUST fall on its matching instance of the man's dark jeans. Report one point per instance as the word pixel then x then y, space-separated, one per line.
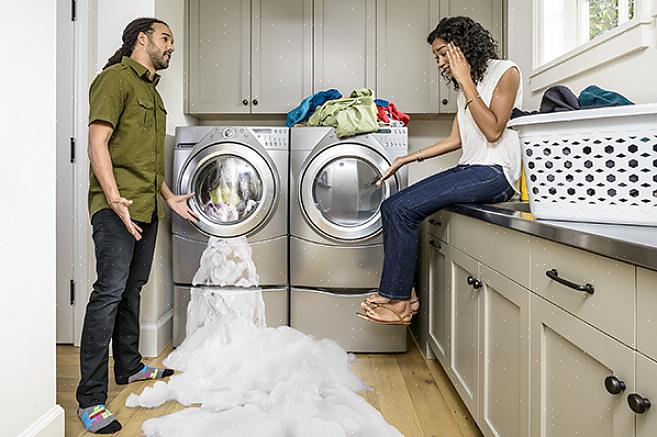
pixel 403 212
pixel 122 267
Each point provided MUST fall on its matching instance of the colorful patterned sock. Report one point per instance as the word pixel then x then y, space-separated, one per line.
pixel 98 420
pixel 148 372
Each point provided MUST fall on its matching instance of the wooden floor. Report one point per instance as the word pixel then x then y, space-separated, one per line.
pixel 413 395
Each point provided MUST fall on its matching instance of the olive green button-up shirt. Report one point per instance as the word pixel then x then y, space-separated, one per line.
pixel 123 96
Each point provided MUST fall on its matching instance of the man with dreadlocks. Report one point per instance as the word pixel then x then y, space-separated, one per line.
pixel 127 192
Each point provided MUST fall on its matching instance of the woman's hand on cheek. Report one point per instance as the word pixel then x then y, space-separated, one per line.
pixel 458 64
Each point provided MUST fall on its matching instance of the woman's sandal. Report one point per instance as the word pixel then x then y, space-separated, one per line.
pixel 369 303
pixel 403 319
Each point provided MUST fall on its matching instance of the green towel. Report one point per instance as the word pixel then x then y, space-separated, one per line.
pixel 350 116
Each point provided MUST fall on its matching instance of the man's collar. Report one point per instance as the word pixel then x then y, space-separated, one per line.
pixel 140 69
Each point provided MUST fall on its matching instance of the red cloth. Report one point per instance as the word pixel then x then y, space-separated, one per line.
pixel 384 114
pixel 398 115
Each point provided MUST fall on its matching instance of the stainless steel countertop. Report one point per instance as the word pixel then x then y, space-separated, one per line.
pixel 632 244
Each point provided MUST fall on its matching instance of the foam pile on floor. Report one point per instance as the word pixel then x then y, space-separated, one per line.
pixel 245 379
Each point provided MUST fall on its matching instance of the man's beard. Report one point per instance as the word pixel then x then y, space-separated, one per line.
pixel 159 60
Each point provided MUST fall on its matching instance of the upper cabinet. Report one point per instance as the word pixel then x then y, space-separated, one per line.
pixel 406 71
pixel 486 12
pixel 265 56
pixel 344 34
pixel 248 56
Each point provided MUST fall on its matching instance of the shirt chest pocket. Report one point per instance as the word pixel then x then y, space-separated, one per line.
pixel 146 112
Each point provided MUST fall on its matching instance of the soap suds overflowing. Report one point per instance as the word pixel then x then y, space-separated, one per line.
pixel 242 378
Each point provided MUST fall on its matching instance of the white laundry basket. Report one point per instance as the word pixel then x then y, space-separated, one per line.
pixel 592 165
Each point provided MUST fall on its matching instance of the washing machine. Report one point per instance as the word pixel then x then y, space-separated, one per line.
pixel 336 242
pixel 240 179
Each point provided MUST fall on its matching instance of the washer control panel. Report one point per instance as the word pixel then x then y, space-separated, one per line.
pixel 272 137
pixel 394 137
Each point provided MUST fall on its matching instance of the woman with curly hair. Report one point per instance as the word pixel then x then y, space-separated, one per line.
pixel 487 172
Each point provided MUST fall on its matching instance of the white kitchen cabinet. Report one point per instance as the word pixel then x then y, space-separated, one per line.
pixel 646 312
pixel 486 12
pixel 439 301
pixel 406 71
pixel 463 363
pixel 504 356
pixel 570 362
pixel 248 56
pixel 344 45
pixel 645 393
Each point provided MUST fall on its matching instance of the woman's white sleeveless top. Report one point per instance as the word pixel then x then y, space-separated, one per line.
pixel 476 148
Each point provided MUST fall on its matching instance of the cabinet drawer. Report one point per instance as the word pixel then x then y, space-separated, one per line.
pixel 500 248
pixel 438 226
pixel 646 312
pixel 610 307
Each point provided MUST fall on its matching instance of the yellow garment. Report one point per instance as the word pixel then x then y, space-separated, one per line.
pixel 523 187
pixel 350 116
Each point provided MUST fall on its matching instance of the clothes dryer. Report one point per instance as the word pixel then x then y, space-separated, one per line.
pixel 240 179
pixel 336 243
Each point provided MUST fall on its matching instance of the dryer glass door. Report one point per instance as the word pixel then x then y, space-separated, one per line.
pixel 339 195
pixel 234 189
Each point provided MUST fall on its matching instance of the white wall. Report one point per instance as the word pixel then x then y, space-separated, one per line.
pixel 630 74
pixel 27 239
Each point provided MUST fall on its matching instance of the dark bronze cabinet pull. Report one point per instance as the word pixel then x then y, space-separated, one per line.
pixel 435 222
pixel 255 102
pixel 638 403
pixel 245 102
pixel 554 275
pixel 474 283
pixel 614 385
pixel 435 244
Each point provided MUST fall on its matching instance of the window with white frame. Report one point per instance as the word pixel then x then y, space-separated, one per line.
pixel 564 25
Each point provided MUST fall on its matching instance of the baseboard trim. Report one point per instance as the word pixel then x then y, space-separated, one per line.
pixel 156 336
pixel 50 424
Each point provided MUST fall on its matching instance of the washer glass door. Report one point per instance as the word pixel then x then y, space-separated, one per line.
pixel 234 189
pixel 339 195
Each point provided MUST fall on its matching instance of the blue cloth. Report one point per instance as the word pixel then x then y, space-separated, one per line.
pixel 381 102
pixel 309 104
pixel 403 212
pixel 595 96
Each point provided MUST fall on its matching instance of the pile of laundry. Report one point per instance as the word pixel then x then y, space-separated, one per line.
pixel 560 98
pixel 360 113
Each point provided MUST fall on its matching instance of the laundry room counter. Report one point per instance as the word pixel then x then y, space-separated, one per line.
pixel 628 243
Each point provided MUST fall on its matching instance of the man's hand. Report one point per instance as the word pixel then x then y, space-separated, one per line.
pixel 178 204
pixel 120 207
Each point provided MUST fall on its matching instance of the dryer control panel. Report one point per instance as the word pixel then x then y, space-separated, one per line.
pixel 394 137
pixel 272 137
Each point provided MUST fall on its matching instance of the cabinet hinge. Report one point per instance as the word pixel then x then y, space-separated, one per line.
pixel 72 292
pixel 72 149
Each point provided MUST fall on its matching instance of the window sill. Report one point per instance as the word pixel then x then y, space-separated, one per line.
pixel 628 38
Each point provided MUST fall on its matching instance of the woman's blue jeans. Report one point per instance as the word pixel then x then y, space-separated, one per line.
pixel 403 212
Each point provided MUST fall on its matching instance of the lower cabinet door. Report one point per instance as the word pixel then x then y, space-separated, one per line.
pixel 644 396
pixel 439 302
pixel 504 350
pixel 580 377
pixel 463 368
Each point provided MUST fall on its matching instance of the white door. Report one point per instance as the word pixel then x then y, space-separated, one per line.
pixel 344 45
pixel 219 74
pixel 281 53
pixel 489 14
pixel 406 72
pixel 65 170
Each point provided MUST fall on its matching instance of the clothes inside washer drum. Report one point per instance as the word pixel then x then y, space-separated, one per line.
pixel 251 380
